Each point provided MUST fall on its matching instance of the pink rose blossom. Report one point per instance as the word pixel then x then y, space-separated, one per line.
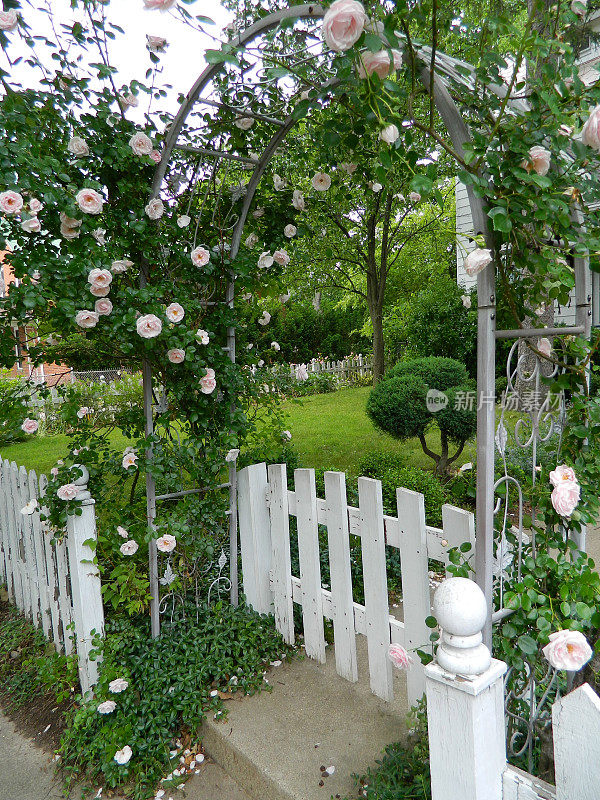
pixel 251 241
pixel 156 44
pixel 183 221
pixel 175 312
pixel 166 543
pixel 562 473
pixel 54 472
pixel 155 208
pixel 148 326
pixel 10 202
pixel 129 460
pixel 129 547
pixel 100 278
pixel 590 133
pixel 141 144
pixel 298 200
pixel 290 231
pixel 100 291
pixel 202 336
pixel 565 497
pixel 128 101
pixel 208 383
pixel 68 491
pixel 29 425
pixel 156 156
pixel 124 756
pixel 389 134
pixel 78 147
pixel 176 355
pixel 281 257
pixel 87 319
pixel 244 123
pixel 343 24
pixel 35 205
pixel 89 201
pixel 477 260
pixel 265 259
pixel 301 372
pixel 399 656
pixel 414 197
pixel 122 532
pixel 8 20
pixel 321 181
pixel 159 5
pixel 103 307
pixel 83 412
pixel 545 346
pixel 200 256
pixel 567 650
pixel 123 265
pixel 69 227
pixel 265 318
pixel 31 225
pixel 378 63
pixel 107 707
pixel 118 685
pixel 539 160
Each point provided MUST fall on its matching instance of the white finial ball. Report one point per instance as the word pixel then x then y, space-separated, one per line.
pixel 83 479
pixel 459 607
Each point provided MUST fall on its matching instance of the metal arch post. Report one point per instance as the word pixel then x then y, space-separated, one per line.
pixel 486 363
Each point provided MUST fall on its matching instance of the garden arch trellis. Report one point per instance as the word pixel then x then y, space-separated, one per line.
pixel 446 71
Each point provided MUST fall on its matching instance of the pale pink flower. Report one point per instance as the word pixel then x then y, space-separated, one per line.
pixel 35 205
pixel 265 318
pixel 565 497
pixel 156 44
pixel 380 63
pixel 31 225
pixel 176 355
pixel 260 212
pixel 276 346
pixel 118 685
pixel 279 183
pixel 141 144
pixel 208 383
pixel 159 5
pixel 414 197
pixel 156 156
pixel 103 307
pixel 100 235
pixel 375 187
pixel 68 491
pixel 265 260
pixel 54 472
pixel 83 412
pixel 166 543
pixel 121 266
pixel 122 532
pixel 100 291
pixel 251 241
pixel 202 336
pixel 590 133
pixel 107 707
pixel 301 372
pixel 562 473
pixel 538 161
pixel 78 146
pixel 183 221
pixel 321 181
pixel 175 312
pixel 89 201
pixel 148 326
pixel 155 208
pixel 244 123
pixel 124 756
pixel 545 346
pixel 200 256
pixel 343 24
pixel 100 278
pixel 86 319
pixel 399 656
pixel 11 202
pixel 69 227
pixel 8 20
pixel 389 134
pixel 477 260
pixel 290 231
pixel 29 425
pixel 129 460
pixel 128 101
pixel 129 547
pixel 466 301
pixel 348 168
pixel 281 257
pixel 567 650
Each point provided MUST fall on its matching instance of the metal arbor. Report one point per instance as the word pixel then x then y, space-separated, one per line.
pixel 195 152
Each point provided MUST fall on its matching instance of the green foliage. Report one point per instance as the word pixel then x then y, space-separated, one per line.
pixel 14 395
pixel 82 353
pixel 403 772
pixel 170 683
pixel 435 372
pixel 435 322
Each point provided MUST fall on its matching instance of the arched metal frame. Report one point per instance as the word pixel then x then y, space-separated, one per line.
pixel 445 67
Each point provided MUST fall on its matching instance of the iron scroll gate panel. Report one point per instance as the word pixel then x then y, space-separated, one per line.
pixel 216 154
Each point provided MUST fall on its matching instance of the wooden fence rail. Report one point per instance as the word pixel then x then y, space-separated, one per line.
pixel 265 506
pixel 57 586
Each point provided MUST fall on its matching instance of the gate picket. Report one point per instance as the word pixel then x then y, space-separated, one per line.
pixel 17 543
pixel 27 539
pixel 55 619
pixel 39 557
pixel 280 543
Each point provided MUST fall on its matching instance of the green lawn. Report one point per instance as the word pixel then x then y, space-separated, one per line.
pixel 328 431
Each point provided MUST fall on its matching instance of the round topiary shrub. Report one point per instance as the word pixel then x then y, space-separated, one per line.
pixel 436 373
pixel 408 393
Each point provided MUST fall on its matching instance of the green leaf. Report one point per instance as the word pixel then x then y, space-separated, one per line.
pixel 431 622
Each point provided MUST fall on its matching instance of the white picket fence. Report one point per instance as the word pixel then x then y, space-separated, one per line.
pixel 466 718
pixel 265 506
pixel 347 369
pixel 57 586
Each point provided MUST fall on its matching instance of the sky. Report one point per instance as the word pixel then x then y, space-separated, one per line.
pixel 183 60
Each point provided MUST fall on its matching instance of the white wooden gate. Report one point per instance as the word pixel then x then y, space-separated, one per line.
pixel 265 505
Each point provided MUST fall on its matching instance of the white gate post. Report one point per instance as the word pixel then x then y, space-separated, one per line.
pixel 465 700
pixel 255 536
pixel 88 613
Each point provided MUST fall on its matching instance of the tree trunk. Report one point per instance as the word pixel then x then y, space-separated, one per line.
pixel 378 348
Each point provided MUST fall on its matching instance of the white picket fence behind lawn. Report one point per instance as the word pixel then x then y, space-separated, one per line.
pixel 350 368
pixel 265 506
pixel 57 586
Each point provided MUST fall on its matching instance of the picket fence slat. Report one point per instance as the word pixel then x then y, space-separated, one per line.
pixel 64 595
pixel 15 526
pixel 4 524
pixel 280 547
pixel 340 575
pixel 310 566
pixel 376 592
pixel 39 558
pixel 27 538
pixel 576 731
pixel 55 619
